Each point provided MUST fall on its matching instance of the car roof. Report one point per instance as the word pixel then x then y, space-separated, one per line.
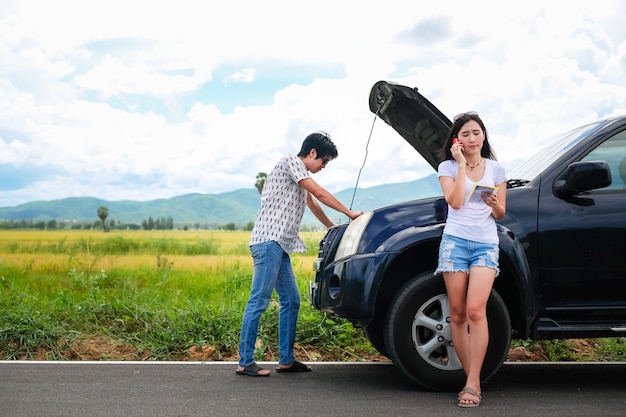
pixel 415 118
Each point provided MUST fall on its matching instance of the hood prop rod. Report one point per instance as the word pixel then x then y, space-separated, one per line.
pixel 356 186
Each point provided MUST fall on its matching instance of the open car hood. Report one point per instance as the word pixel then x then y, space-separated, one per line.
pixel 415 118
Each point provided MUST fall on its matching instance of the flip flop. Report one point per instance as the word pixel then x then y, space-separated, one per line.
pixel 295 367
pixel 251 370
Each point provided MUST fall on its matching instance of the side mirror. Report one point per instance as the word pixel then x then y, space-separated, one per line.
pixel 582 176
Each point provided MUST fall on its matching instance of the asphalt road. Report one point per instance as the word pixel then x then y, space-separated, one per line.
pixel 166 389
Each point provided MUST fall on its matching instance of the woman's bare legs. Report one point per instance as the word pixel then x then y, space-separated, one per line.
pixel 468 320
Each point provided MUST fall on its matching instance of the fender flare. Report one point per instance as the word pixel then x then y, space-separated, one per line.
pixel 513 251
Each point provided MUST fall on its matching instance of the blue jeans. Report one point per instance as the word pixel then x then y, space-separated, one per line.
pixel 272 270
pixel 458 254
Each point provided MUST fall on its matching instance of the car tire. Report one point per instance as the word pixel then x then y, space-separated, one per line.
pixel 418 338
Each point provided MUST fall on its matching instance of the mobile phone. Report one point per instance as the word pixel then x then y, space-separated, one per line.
pixel 455 140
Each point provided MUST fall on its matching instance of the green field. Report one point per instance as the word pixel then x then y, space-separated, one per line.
pixel 147 295
pixel 173 295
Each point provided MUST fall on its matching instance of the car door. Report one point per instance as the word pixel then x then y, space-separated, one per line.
pixel 582 244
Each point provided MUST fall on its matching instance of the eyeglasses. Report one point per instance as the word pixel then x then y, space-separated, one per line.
pixel 325 161
pixel 467 113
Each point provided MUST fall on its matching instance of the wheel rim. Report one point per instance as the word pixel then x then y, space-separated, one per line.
pixel 432 336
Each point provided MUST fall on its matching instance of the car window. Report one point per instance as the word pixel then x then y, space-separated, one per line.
pixel 554 148
pixel 613 151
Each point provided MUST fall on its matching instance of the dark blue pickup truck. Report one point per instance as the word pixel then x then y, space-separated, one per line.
pixel 562 250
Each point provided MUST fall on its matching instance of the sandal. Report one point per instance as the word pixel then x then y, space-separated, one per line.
pixel 465 402
pixel 296 366
pixel 252 370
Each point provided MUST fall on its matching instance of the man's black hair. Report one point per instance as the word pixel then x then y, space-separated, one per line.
pixel 321 142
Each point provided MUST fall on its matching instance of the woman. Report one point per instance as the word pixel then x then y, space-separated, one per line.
pixel 468 253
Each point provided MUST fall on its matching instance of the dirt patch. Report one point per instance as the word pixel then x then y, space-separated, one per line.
pixel 582 348
pixel 100 348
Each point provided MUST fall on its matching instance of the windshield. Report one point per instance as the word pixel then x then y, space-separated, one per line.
pixel 556 146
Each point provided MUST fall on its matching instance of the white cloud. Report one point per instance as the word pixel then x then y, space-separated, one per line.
pixel 245 76
pixel 142 100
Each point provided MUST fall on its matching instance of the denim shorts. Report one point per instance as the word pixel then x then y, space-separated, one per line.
pixel 458 254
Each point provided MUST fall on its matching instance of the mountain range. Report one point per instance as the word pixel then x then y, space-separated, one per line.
pixel 239 206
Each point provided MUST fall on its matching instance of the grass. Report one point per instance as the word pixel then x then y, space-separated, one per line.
pixel 150 295
pixel 171 295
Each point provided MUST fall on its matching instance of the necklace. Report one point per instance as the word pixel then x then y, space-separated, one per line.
pixel 471 167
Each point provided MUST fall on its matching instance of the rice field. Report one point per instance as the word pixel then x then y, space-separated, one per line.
pixel 162 295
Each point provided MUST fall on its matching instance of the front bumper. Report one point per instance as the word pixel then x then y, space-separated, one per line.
pixel 347 288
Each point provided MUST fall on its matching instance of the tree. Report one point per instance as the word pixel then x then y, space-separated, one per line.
pixel 103 213
pixel 260 181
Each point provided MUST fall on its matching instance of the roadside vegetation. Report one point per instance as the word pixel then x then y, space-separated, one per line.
pixel 173 295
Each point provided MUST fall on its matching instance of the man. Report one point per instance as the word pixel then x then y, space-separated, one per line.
pixel 287 190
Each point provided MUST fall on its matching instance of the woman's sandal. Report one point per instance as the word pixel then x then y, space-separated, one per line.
pixel 465 402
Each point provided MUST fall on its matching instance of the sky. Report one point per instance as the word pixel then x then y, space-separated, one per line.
pixel 143 100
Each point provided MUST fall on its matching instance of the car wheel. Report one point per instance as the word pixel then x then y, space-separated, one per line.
pixel 419 341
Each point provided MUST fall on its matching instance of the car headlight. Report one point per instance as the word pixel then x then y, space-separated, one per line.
pixel 352 236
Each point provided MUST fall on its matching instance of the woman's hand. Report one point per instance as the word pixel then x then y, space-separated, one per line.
pixel 490 199
pixel 457 152
pixel 496 201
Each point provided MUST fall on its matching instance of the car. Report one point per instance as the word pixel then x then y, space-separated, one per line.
pixel 562 250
